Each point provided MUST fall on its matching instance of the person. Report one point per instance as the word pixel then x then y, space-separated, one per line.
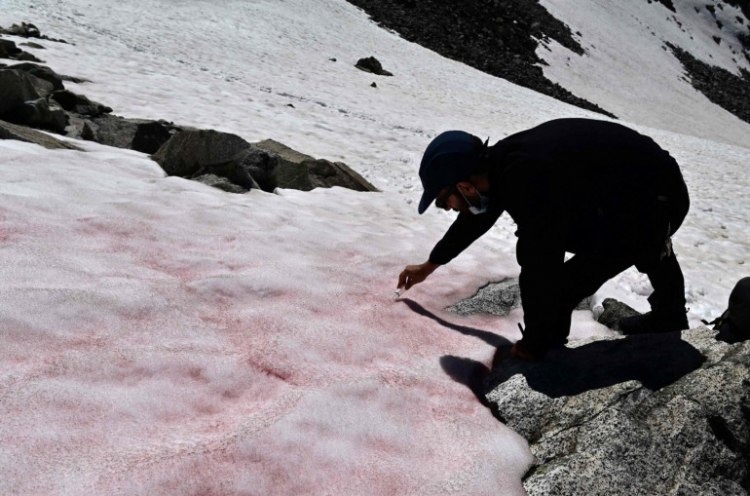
pixel 599 190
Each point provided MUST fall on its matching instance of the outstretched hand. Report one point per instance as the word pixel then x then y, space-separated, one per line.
pixel 414 274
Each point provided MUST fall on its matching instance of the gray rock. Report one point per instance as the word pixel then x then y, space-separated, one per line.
pixel 27 30
pixel 44 72
pixel 44 115
pixel 648 414
pixel 80 104
pixel 17 88
pixel 326 174
pixel 31 44
pixel 135 134
pixel 8 49
pixel 249 168
pixel 291 174
pixel 20 133
pixel 498 298
pixel 220 182
pixel 187 152
pixel 614 311
pixel 372 65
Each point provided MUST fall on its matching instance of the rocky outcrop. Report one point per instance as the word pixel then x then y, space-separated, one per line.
pixel 303 172
pixel 20 133
pixel 135 134
pixel 498 298
pixel 372 65
pixel 23 100
pixel 44 72
pixel 498 37
pixel 79 104
pixel 723 88
pixel 27 30
pixel 9 50
pixel 648 414
pixel 267 165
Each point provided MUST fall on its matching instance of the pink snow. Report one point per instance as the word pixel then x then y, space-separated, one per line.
pixel 163 337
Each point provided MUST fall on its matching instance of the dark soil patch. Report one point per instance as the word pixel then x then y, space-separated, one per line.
pixel 718 85
pixel 498 37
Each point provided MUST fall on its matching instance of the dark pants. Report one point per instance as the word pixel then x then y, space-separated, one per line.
pixel 585 274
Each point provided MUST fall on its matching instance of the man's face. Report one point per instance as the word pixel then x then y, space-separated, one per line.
pixel 457 197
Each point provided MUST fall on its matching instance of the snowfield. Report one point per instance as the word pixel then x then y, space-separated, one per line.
pixel 159 336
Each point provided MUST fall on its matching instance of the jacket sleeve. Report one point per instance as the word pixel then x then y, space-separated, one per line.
pixel 466 229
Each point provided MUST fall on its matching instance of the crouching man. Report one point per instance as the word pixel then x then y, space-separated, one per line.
pixel 597 189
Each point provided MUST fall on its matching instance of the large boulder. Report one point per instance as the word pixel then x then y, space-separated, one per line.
pixel 8 49
pixel 648 414
pixel 23 100
pixel 42 72
pixel 20 133
pixel 189 151
pixel 325 174
pixel 44 114
pixel 18 87
pixel 292 174
pixel 303 172
pixel 136 134
pixel 80 104
pixel 193 154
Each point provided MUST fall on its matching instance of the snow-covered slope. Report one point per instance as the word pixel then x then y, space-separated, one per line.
pixel 628 67
pixel 158 336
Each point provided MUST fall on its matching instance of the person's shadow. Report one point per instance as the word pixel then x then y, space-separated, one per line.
pixel 655 360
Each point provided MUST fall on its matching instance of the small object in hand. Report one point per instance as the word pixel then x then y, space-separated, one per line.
pixel 396 294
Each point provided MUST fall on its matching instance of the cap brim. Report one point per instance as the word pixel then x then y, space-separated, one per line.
pixel 426 201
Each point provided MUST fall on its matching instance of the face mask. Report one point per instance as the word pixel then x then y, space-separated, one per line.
pixel 484 203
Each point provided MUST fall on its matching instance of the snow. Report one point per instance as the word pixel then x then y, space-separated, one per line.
pixel 160 336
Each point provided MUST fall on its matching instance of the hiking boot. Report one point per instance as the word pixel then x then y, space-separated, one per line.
pixel 654 322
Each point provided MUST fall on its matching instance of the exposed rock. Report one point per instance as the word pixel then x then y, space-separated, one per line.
pixel 303 172
pixel 614 311
pixel 291 174
pixel 31 44
pixel 718 85
pixel 135 134
pixel 325 174
pixel 499 37
pixel 648 414
pixel 9 50
pixel 27 30
pixel 371 64
pixel 20 133
pixel 23 101
pixel 42 72
pixel 187 152
pixel 498 298
pixel 80 104
pixel 44 114
pixel 221 183
pixel 17 87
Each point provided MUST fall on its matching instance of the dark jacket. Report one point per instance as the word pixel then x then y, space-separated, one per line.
pixel 575 185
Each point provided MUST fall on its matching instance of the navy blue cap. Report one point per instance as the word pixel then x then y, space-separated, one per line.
pixel 449 159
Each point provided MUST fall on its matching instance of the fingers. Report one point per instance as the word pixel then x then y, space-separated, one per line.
pixel 401 279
